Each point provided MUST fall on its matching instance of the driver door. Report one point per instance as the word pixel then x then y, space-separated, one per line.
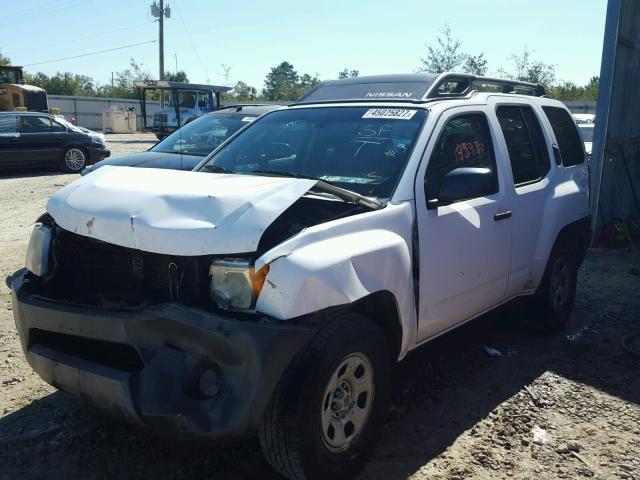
pixel 464 247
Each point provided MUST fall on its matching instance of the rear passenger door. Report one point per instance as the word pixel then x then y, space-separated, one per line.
pixel 529 158
pixel 464 247
pixel 9 150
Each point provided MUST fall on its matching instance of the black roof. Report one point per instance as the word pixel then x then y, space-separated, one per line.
pixel 20 112
pixel 247 109
pixel 167 84
pixel 414 88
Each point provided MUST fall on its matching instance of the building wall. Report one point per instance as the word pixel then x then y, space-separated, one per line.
pixel 616 148
pixel 88 110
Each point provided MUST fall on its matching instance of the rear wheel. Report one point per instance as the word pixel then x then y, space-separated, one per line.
pixel 330 405
pixel 74 159
pixel 553 301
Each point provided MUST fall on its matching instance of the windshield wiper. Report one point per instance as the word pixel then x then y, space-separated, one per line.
pixel 278 173
pixel 217 169
pixel 324 186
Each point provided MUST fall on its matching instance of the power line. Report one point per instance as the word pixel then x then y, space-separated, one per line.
pixel 193 45
pixel 91 53
pixel 40 46
pixel 44 10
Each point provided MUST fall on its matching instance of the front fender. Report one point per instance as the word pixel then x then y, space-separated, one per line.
pixel 338 270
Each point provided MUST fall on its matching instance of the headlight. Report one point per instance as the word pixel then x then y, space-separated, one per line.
pixel 37 261
pixel 235 284
pixel 96 139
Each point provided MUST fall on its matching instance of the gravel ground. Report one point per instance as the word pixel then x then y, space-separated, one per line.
pixel 459 413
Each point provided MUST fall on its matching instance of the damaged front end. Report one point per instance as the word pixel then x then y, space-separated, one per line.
pixel 151 338
pixel 171 341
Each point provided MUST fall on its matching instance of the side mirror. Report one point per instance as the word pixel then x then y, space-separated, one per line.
pixel 462 184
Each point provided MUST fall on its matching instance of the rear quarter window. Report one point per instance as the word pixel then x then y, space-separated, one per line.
pixel 566 132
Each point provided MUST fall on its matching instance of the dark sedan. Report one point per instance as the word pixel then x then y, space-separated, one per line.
pixel 31 139
pixel 186 147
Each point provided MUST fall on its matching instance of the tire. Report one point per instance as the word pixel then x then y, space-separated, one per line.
pixel 160 137
pixel 552 303
pixel 74 159
pixel 320 390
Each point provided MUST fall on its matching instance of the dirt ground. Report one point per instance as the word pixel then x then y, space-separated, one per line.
pixel 459 413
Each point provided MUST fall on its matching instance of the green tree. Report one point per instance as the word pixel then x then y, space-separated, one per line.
pixel 123 82
pixel 4 60
pixel 281 82
pixel 179 76
pixel 528 69
pixel 447 56
pixel 567 91
pixel 244 92
pixel 592 88
pixel 476 64
pixel 66 83
pixel 346 73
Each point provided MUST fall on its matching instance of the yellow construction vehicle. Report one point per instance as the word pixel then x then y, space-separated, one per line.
pixel 15 95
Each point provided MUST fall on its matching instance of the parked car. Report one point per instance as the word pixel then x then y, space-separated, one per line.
pixel 274 289
pixel 586 130
pixel 31 139
pixel 186 147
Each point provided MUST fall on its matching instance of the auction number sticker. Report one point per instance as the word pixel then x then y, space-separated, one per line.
pixel 394 113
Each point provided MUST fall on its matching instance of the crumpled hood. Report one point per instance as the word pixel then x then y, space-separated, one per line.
pixel 174 212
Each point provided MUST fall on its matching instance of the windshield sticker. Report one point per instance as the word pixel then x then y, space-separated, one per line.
pixel 395 113
pixel 248 119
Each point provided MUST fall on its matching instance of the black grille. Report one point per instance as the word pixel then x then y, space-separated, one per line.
pixel 89 271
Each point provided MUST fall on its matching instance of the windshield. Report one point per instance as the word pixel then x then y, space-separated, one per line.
pixel 69 125
pixel 202 135
pixel 358 148
pixel 587 132
pixel 8 76
pixel 186 99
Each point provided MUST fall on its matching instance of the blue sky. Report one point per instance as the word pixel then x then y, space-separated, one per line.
pixel 372 36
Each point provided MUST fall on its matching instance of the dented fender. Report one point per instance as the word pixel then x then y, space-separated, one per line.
pixel 340 262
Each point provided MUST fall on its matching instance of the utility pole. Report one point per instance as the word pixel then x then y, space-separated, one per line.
pixel 160 12
pixel 161 30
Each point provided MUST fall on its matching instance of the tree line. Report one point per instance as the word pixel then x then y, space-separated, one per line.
pixel 284 83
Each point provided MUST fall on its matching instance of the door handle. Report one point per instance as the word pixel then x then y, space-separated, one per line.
pixel 502 215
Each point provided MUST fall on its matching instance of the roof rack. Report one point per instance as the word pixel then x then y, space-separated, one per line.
pixel 456 85
pixel 412 88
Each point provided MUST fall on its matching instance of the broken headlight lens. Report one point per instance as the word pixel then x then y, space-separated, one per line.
pixel 37 261
pixel 234 283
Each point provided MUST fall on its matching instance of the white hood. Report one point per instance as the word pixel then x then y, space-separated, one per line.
pixel 174 212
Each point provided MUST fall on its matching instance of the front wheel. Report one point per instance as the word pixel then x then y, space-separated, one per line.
pixel 74 159
pixel 330 405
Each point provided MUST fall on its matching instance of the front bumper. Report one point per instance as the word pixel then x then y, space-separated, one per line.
pixel 97 153
pixel 143 364
pixel 161 129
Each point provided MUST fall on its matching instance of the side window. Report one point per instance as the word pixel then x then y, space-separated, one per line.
pixel 7 124
pixel 34 124
pixel 464 142
pixel 527 149
pixel 57 127
pixel 569 142
pixel 16 100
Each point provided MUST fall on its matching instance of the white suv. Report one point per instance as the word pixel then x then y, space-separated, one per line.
pixel 274 288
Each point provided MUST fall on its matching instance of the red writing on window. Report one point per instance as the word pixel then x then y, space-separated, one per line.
pixel 466 150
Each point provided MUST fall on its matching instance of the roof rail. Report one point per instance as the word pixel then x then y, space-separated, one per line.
pixel 457 85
